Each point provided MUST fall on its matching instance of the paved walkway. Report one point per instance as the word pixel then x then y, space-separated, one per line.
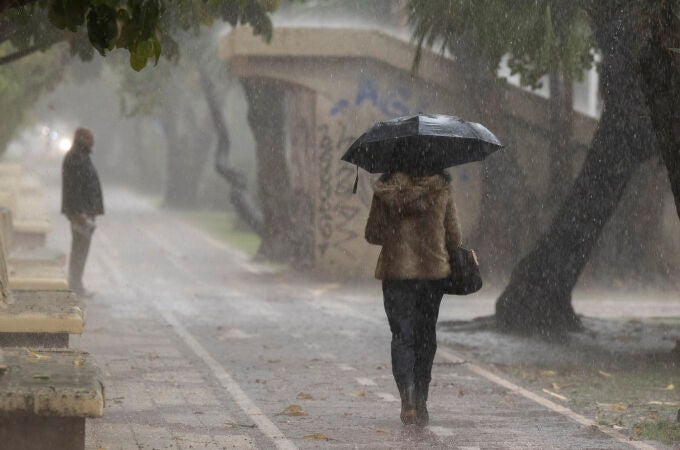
pixel 203 350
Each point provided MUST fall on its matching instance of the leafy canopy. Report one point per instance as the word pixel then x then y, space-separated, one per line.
pixel 538 36
pixel 144 27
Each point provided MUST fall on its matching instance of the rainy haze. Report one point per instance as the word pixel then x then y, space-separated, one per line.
pixel 413 224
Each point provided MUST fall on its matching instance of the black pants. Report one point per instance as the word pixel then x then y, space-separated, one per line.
pixel 412 308
pixel 80 247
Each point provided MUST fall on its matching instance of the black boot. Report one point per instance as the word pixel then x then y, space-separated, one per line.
pixel 408 405
pixel 422 416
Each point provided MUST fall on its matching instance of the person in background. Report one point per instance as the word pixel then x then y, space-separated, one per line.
pixel 413 218
pixel 81 202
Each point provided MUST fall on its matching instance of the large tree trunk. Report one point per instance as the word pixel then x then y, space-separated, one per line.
pixel 538 297
pixel 660 68
pixel 267 121
pixel 185 158
pixel 561 131
pixel 244 205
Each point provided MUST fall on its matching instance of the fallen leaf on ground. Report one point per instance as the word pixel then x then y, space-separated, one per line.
pixel 618 407
pixel 317 437
pixel 294 410
pixel 460 393
pixel 547 373
pixel 78 362
pixel 555 386
pixel 670 387
pixel 41 377
pixel 604 374
pixel 656 402
pixel 37 355
pixel 360 394
pixel 556 395
pixel 3 368
pixel 243 425
pixel 380 430
pixel 304 396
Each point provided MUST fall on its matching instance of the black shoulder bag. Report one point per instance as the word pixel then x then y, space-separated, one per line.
pixel 465 277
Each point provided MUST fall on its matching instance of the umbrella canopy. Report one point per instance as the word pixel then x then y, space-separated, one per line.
pixel 421 143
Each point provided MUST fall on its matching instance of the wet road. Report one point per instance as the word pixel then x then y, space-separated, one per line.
pixel 202 349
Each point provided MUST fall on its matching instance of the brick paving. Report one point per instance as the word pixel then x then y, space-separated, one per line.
pixel 202 350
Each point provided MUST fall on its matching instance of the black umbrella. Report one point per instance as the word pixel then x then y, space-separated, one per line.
pixel 421 144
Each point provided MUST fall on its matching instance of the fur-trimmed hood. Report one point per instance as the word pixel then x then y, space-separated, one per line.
pixel 407 195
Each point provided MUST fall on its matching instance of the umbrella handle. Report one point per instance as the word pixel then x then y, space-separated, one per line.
pixel 356 182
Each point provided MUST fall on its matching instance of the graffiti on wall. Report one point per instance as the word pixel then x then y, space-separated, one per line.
pixel 340 212
pixel 325 215
pixel 336 213
pixel 393 100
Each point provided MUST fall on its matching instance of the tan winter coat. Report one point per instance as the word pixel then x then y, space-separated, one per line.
pixel 414 219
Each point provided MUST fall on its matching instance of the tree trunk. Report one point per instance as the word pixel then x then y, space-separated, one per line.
pixel 244 205
pixel 8 59
pixel 561 131
pixel 538 297
pixel 660 68
pixel 185 158
pixel 266 119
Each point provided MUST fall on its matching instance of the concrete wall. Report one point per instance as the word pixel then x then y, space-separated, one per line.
pixel 339 82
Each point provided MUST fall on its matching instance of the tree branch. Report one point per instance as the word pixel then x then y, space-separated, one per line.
pixel 21 54
pixel 240 198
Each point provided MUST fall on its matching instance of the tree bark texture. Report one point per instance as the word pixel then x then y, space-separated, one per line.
pixel 660 68
pixel 240 198
pixel 266 109
pixel 538 297
pixel 10 58
pixel 561 131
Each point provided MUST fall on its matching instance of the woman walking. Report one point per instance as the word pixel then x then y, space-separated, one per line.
pixel 413 218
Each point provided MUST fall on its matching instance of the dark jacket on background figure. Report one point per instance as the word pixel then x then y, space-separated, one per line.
pixel 414 219
pixel 81 191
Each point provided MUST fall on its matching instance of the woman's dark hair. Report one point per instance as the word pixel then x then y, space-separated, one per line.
pixel 417 173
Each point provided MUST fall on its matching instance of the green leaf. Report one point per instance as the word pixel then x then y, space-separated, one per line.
pixel 138 58
pixel 68 14
pixel 146 14
pixel 102 27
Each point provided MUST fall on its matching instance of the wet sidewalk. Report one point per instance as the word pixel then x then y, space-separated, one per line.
pixel 203 350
